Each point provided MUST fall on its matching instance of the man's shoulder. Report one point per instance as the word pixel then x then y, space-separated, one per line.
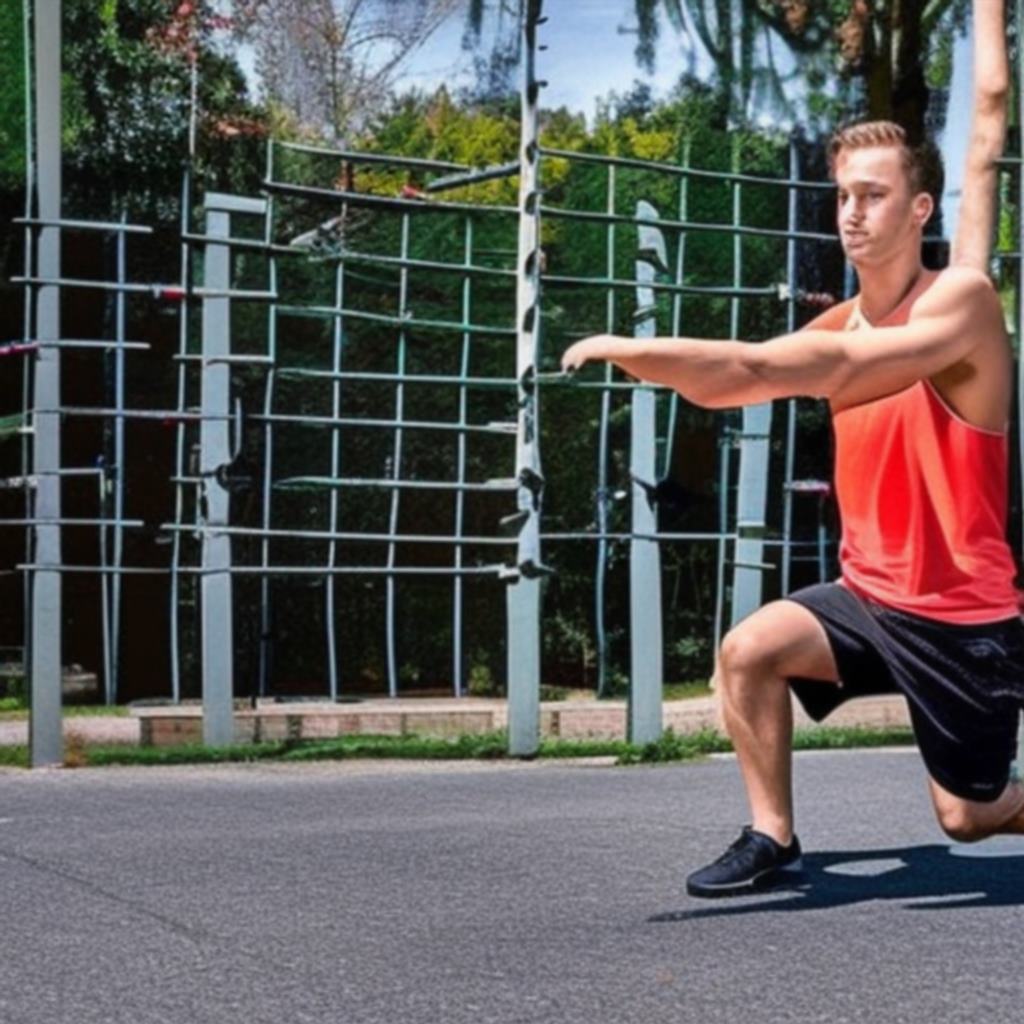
pixel 835 318
pixel 956 286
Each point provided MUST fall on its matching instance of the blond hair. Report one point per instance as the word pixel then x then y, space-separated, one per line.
pixel 921 162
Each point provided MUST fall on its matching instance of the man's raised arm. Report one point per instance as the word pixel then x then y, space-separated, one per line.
pixel 844 367
pixel 972 246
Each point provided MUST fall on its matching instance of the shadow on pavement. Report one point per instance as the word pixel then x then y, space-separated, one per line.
pixel 922 877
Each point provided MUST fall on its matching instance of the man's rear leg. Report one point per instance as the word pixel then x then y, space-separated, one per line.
pixel 969 821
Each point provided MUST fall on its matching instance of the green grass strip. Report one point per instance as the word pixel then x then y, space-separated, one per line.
pixel 489 746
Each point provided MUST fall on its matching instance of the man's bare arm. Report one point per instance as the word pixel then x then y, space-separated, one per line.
pixel 956 314
pixel 972 246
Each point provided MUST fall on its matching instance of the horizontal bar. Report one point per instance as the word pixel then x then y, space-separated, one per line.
pixel 85 225
pixel 258 570
pixel 398 321
pixel 767 292
pixel 660 166
pixel 652 165
pixel 131 523
pixel 348 256
pixel 228 202
pixel 371 158
pixel 239 358
pixel 414 378
pixel 354 570
pixel 140 346
pixel 344 421
pixel 16 482
pixel 473 177
pixel 156 291
pixel 412 485
pixel 547 378
pixel 384 202
pixel 170 417
pixel 102 570
pixel 19 348
pixel 368 538
pixel 684 225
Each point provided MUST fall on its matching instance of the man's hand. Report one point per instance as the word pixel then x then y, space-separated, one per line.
pixel 597 346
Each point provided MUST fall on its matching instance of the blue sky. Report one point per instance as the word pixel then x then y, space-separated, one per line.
pixel 587 57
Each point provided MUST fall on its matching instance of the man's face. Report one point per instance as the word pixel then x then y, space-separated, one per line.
pixel 878 216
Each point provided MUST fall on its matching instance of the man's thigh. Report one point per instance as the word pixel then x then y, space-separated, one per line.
pixel 784 638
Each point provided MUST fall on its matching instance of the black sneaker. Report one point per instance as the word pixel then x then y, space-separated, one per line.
pixel 753 860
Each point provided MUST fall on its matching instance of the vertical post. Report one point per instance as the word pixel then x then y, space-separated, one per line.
pixel 791 410
pixel 266 617
pixel 524 595
pixel 645 676
pixel 179 446
pixel 396 465
pixel 458 670
pixel 603 496
pixel 215 453
pixel 118 470
pixel 46 636
pixel 331 580
pixel 752 494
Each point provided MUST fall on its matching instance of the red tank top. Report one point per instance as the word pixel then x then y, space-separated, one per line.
pixel 923 496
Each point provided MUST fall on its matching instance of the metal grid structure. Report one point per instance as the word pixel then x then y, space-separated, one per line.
pixel 235 275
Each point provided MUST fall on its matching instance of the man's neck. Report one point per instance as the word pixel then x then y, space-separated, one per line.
pixel 884 287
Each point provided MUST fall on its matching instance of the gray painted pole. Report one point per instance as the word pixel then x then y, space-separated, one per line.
pixel 645 676
pixel 752 487
pixel 46 636
pixel 214 454
pixel 523 606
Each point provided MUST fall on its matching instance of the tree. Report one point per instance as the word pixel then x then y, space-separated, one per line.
pixel 331 62
pixel 130 67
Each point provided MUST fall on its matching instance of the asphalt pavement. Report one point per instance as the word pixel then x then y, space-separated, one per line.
pixel 491 894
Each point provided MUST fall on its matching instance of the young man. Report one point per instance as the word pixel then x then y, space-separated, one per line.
pixel 917 370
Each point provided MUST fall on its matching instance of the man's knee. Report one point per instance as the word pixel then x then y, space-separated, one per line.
pixel 958 820
pixel 743 656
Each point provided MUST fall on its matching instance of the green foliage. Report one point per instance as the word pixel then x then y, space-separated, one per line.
pixel 126 95
pixel 12 97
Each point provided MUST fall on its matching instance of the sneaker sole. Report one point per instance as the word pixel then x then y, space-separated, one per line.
pixel 765 879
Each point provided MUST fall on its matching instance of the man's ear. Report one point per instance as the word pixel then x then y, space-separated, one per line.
pixel 924 207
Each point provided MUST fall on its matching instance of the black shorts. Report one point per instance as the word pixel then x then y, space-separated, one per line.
pixel 964 684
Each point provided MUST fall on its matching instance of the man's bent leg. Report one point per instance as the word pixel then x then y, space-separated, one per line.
pixel 782 640
pixel 967 821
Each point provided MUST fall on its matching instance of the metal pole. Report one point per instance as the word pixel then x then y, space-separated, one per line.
pixel 266 613
pixel 396 462
pixel 331 582
pixel 524 595
pixel 787 491
pixel 752 490
pixel 215 454
pixel 677 308
pixel 646 648
pixel 46 638
pixel 458 672
pixel 179 450
pixel 603 496
pixel 118 471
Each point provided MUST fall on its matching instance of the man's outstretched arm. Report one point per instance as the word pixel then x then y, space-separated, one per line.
pixel 972 246
pixel 846 367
